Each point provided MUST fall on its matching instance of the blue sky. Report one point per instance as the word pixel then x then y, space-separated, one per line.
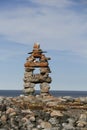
pixel 60 26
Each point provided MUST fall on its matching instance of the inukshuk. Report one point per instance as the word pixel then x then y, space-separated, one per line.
pixel 37 60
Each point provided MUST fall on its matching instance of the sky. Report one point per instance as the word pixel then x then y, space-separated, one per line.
pixel 59 26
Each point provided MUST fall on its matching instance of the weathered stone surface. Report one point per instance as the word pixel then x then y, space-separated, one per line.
pixel 68 127
pixel 32 118
pixel 56 113
pixel 37 78
pixel 44 58
pixel 45 125
pixel 45 89
pixel 44 85
pixel 83 99
pixel 83 117
pixel 3 118
pixel 28 74
pixel 30 58
pixel 82 122
pixel 34 113
pixel 29 69
pixel 54 121
pixel 34 129
pixel 36 46
pixel 44 70
pixel 29 90
pixel 10 110
pixel 37 60
pixel 36 64
pixel 29 85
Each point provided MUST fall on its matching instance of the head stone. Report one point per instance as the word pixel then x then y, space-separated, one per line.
pixel 36 46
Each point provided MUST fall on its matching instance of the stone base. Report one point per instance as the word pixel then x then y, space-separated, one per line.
pixel 45 94
pixel 29 91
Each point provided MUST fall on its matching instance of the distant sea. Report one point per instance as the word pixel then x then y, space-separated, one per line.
pixel 56 93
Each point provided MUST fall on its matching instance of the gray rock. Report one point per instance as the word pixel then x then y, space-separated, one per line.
pixel 83 99
pixel 71 121
pixel 82 122
pixel 38 78
pixel 56 113
pixel 1 99
pixel 67 127
pixel 45 125
pixel 44 89
pixel 3 129
pixel 83 117
pixel 29 90
pixel 29 69
pixel 54 121
pixel 28 74
pixel 45 70
pixel 34 129
pixel 55 128
pixel 68 98
pixel 29 85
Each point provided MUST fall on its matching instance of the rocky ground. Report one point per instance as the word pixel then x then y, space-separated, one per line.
pixel 43 113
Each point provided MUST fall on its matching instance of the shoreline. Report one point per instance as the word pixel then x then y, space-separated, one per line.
pixel 55 93
pixel 43 113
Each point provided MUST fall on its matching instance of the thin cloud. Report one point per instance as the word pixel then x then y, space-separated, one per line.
pixel 60 28
pixel 11 50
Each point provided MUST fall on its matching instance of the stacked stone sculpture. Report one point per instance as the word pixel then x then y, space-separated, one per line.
pixel 37 60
